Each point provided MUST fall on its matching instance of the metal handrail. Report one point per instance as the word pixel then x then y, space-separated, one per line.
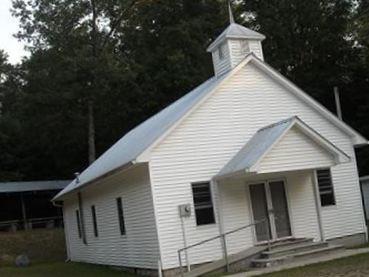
pixel 223 237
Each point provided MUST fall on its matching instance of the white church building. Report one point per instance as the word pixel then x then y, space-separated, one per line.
pixel 245 147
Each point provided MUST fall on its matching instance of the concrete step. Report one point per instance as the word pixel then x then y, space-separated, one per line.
pixel 268 262
pixel 291 242
pixel 293 248
pixel 244 256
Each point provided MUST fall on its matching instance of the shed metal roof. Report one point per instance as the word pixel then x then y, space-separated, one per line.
pixel 7 187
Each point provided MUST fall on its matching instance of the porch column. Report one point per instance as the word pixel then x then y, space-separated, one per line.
pixel 218 205
pixel 318 205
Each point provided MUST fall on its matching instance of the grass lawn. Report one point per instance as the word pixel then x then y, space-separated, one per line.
pixel 41 245
pixel 61 269
pixel 357 266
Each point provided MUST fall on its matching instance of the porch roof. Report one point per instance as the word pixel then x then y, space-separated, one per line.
pixel 253 152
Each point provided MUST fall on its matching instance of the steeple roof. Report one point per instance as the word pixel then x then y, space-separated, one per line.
pixel 235 31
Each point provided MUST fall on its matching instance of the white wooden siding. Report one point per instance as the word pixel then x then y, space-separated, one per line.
pixel 224 65
pixel 237 55
pixel 301 200
pixel 234 195
pixel 209 137
pixel 139 247
pixel 295 151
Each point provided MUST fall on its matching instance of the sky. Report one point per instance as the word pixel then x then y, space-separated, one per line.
pixel 8 27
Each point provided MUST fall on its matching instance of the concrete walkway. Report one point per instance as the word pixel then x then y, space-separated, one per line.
pixel 325 258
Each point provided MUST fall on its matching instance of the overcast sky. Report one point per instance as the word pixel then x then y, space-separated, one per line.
pixel 9 26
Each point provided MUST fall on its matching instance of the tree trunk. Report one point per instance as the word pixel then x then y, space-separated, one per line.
pixel 91 133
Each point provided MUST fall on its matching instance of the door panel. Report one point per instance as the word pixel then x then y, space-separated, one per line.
pixel 280 209
pixel 260 211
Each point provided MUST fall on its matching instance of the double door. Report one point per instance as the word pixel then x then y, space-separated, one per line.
pixel 269 206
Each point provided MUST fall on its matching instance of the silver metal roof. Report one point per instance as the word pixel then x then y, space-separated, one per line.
pixel 33 186
pixel 235 31
pixel 129 147
pixel 256 147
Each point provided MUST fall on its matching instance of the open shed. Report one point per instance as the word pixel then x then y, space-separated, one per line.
pixel 27 205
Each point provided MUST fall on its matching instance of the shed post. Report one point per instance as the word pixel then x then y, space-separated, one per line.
pixel 24 213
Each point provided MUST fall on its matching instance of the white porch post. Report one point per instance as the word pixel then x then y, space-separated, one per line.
pixel 219 210
pixel 318 205
pixel 218 204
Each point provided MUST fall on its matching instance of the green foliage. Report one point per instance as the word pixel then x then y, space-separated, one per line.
pixel 132 58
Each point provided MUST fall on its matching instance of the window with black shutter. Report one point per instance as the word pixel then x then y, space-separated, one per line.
pixel 78 224
pixel 94 221
pixel 325 185
pixel 121 216
pixel 203 203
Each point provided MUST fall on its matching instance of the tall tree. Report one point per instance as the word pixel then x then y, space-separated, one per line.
pixel 153 55
pixel 10 84
pixel 85 28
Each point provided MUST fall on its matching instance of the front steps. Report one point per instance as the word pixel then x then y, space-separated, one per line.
pixel 281 253
pixel 295 250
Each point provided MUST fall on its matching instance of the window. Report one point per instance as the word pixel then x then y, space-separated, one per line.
pixel 203 203
pixel 121 216
pixel 94 221
pixel 325 185
pixel 221 51
pixel 245 47
pixel 78 224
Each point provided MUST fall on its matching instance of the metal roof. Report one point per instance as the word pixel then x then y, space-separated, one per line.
pixel 33 186
pixel 235 31
pixel 129 147
pixel 266 137
pixel 134 143
pixel 256 147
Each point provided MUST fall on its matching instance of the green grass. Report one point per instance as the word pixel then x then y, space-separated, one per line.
pixel 60 269
pixel 41 245
pixel 357 265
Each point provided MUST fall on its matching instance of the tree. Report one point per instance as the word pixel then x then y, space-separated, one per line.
pixel 155 55
pixel 9 125
pixel 83 27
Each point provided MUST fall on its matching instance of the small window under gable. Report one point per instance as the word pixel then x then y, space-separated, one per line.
pixel 245 47
pixel 325 185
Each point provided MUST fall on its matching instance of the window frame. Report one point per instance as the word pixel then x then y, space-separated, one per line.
pixel 196 208
pixel 324 188
pixel 121 220
pixel 94 221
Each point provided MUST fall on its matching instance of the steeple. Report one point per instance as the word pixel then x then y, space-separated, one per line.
pixel 233 45
pixel 231 18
